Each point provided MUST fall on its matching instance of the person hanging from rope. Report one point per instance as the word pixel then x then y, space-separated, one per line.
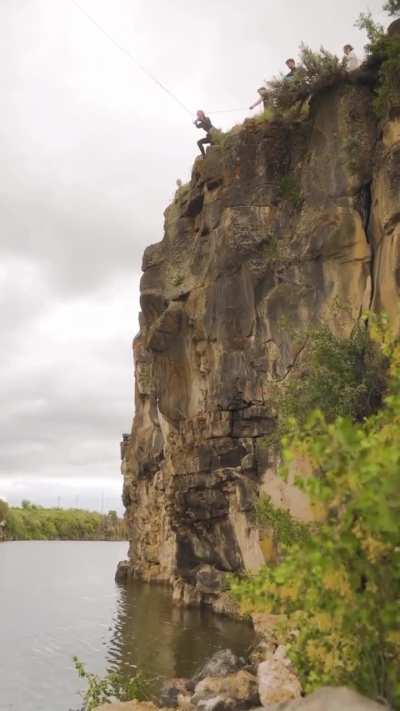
pixel 203 121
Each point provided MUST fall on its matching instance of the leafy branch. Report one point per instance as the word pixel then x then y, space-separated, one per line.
pixel 112 686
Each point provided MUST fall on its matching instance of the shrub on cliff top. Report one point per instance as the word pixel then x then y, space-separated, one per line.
pixel 316 71
pixel 386 50
pixel 388 92
pixel 339 589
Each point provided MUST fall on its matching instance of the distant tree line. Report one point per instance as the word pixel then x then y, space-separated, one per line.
pixel 32 522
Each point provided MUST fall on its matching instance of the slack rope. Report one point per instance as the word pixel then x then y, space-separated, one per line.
pixel 144 69
pixel 132 58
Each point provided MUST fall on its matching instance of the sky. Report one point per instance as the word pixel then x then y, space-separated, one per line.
pixel 91 151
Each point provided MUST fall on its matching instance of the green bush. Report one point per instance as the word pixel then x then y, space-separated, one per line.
pixel 285 529
pixel 388 92
pixel 386 50
pixel 289 189
pixel 392 7
pixel 316 71
pixel 341 376
pixel 339 589
pixel 113 686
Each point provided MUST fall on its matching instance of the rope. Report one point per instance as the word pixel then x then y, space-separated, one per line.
pixel 132 58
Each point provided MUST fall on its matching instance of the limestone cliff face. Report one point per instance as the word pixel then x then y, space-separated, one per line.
pixel 275 227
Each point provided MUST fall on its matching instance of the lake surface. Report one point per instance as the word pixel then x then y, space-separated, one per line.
pixel 59 599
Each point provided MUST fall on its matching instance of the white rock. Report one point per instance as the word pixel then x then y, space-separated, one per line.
pixel 277 683
pixel 280 655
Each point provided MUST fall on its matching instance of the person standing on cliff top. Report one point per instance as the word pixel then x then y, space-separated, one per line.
pixel 203 121
pixel 291 65
pixel 350 57
pixel 263 94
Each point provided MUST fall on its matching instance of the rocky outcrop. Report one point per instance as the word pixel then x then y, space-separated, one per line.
pixel 282 225
pixel 221 663
pixel 234 692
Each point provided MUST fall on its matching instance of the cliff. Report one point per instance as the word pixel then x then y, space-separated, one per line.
pixel 281 222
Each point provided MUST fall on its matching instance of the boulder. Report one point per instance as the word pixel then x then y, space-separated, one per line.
pixel 225 693
pixel 394 28
pixel 216 703
pixel 261 652
pixel 277 682
pixel 172 689
pixel 331 699
pixel 209 580
pixel 122 572
pixel 220 664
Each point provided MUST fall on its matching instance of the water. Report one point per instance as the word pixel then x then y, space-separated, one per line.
pixel 59 599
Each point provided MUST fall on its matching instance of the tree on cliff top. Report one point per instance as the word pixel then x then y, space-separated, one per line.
pixel 317 70
pixel 384 50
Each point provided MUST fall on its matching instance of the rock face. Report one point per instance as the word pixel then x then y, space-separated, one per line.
pixel 276 226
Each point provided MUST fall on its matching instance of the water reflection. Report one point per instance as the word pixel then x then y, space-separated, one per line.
pixel 164 640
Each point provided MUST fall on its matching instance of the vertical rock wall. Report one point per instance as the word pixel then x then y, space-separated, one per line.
pixel 275 229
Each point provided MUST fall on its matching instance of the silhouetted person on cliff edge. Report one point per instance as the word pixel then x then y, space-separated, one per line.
pixel 264 99
pixel 291 65
pixel 203 122
pixel 351 58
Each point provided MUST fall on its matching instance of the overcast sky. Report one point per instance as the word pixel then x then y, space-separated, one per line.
pixel 91 150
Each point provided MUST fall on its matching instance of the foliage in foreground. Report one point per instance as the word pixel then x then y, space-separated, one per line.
pixel 392 7
pixel 339 589
pixel 113 686
pixel 32 522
